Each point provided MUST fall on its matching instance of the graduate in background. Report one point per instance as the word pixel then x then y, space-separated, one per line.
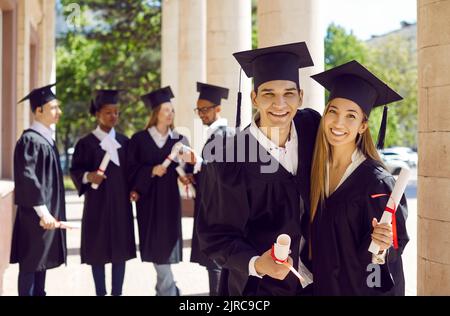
pixel 39 196
pixel 208 109
pixel 347 171
pixel 155 190
pixel 107 234
pixel 254 195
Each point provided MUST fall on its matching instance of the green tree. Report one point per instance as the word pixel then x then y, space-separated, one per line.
pixel 117 46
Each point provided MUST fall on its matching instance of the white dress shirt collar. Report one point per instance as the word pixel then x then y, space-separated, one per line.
pixel 159 139
pixel 101 134
pixel 287 156
pixel 217 123
pixel 43 130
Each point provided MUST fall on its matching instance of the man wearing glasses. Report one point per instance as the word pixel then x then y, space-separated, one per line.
pixel 208 109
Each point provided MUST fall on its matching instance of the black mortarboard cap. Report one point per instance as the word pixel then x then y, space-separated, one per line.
pixel 279 62
pixel 40 96
pixel 275 63
pixel 212 93
pixel 102 97
pixel 157 97
pixel 354 82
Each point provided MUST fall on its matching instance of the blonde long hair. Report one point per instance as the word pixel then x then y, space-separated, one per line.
pixel 322 154
pixel 153 120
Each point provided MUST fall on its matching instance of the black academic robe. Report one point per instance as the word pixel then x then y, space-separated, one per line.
pixel 107 233
pixel 159 205
pixel 38 180
pixel 341 235
pixel 217 139
pixel 249 204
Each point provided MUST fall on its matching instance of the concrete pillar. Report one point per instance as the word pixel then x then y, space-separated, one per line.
pixel 184 44
pixel 1 87
pixel 169 44
pixel 9 90
pixel 229 30
pixel 46 31
pixel 23 64
pixel 287 21
pixel 433 266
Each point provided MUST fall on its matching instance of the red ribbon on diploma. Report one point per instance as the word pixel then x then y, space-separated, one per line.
pixel 394 220
pixel 272 254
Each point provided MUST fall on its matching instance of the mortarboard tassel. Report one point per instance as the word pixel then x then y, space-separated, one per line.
pixel 239 101
pixel 382 131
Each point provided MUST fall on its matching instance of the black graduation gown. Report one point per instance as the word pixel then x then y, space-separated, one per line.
pixel 159 205
pixel 38 181
pixel 107 234
pixel 217 138
pixel 247 209
pixel 341 235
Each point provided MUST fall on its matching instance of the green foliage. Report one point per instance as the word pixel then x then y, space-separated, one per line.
pixel 393 60
pixel 117 46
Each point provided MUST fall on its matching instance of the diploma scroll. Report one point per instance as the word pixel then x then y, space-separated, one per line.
pixel 102 168
pixel 190 187
pixel 280 254
pixel 391 207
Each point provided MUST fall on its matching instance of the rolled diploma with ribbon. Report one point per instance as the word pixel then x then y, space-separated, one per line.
pixel 281 251
pixel 102 168
pixel 393 202
pixel 282 247
pixel 181 173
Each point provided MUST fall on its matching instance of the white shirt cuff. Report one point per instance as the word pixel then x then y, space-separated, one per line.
pixel 379 258
pixel 251 268
pixel 198 166
pixel 42 210
pixel 85 178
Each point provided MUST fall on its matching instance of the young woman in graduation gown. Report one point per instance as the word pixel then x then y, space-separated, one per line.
pixel 346 180
pixel 107 233
pixel 155 190
pixel 254 194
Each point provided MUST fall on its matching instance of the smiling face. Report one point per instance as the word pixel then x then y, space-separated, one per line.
pixel 343 121
pixel 207 111
pixel 277 102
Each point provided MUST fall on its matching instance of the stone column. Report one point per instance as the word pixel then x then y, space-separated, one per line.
pixel 433 266
pixel 229 30
pixel 184 58
pixel 287 21
pixel 23 64
pixel 169 44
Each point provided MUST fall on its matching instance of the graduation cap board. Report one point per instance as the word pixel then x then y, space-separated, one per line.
pixel 279 62
pixel 212 93
pixel 103 97
pixel 40 96
pixel 157 97
pixel 354 82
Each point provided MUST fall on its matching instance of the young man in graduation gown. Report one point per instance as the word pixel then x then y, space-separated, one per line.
pixel 261 190
pixel 208 109
pixel 37 243
pixel 107 234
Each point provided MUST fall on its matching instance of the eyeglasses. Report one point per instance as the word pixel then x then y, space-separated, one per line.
pixel 204 110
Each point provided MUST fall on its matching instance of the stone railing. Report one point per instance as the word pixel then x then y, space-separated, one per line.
pixel 7 215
